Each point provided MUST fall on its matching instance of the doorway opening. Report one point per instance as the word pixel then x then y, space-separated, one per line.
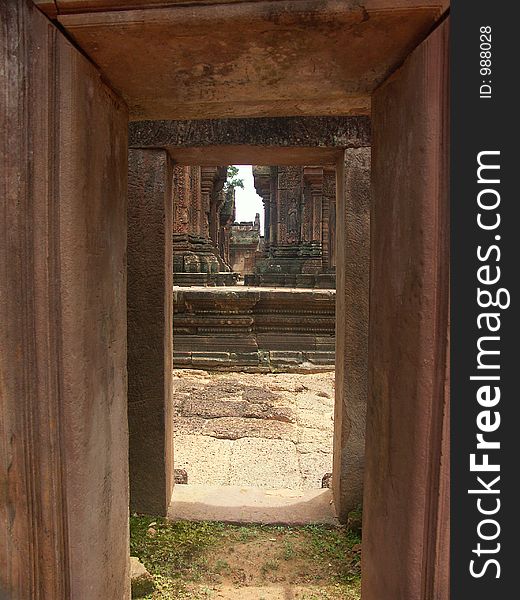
pixel 254 349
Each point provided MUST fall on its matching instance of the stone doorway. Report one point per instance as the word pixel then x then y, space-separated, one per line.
pixel 64 427
pixel 254 397
pixel 337 149
pixel 268 300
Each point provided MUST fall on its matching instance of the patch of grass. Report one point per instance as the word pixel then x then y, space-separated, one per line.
pixel 289 550
pixel 339 549
pixel 173 553
pixel 268 566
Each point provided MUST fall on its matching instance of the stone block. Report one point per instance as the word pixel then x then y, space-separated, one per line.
pixel 285 357
pixel 321 357
pixel 209 360
pixel 141 580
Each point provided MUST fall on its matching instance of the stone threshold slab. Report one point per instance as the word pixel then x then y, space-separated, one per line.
pixel 235 504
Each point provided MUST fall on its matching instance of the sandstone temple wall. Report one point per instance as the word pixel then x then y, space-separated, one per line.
pixel 246 245
pixel 407 463
pixel 299 246
pixel 63 279
pixel 253 329
pixel 202 213
pixel 63 424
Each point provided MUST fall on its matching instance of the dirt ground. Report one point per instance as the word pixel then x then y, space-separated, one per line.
pixel 270 430
pixel 199 561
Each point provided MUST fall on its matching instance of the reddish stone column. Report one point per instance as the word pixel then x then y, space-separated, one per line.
pixel 352 288
pixel 181 200
pixel 405 546
pixel 207 177
pixel 314 177
pixel 63 424
pixel 150 345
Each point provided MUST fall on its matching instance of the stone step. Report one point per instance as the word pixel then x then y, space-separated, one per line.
pixel 235 504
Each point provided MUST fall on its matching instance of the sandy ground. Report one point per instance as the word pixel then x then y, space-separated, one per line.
pixel 248 429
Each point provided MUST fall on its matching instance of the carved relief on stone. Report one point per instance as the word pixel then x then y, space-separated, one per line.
pixel 181 211
pixel 329 227
pixel 207 179
pixel 293 221
pixel 290 189
pixel 195 200
pixel 313 177
pixel 307 214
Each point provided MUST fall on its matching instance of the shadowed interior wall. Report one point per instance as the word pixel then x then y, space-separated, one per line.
pixel 405 549
pixel 150 336
pixel 352 289
pixel 63 430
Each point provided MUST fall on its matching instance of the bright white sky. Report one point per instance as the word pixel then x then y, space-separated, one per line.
pixel 247 201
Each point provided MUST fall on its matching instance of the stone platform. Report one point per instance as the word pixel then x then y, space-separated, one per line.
pixel 254 329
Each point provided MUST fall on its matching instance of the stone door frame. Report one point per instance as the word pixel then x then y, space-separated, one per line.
pixel 341 142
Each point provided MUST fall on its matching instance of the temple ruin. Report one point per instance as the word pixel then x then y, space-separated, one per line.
pixel 202 216
pixel 246 246
pixel 218 326
pixel 297 249
pixel 300 211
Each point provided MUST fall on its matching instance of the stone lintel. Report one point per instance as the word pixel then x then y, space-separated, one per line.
pixel 321 132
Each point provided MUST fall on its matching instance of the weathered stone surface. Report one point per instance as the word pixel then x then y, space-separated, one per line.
pixel 141 580
pixel 245 246
pixel 205 458
pixel 202 213
pixel 259 462
pixel 63 432
pixel 405 472
pixel 312 465
pixel 240 504
pixel 297 213
pixel 150 312
pixel 233 428
pixel 64 257
pixel 352 309
pixel 253 328
pixel 324 132
pixel 289 397
pixel 209 408
pixel 252 59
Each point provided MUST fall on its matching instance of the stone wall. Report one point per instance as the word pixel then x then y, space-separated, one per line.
pixel 248 329
pixel 201 220
pixel 406 471
pixel 150 312
pixel 245 246
pixel 63 424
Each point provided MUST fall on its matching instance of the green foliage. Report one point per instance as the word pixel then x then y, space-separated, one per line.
pixel 339 548
pixel 232 180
